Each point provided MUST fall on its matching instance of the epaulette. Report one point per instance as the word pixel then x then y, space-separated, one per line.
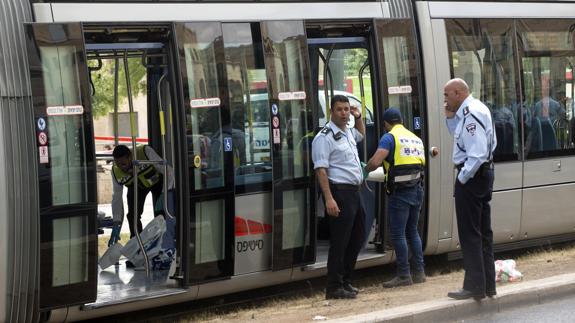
pixel 326 130
pixel 465 111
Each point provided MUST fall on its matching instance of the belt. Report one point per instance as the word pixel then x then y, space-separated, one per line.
pixel 344 187
pixel 407 178
pixel 487 164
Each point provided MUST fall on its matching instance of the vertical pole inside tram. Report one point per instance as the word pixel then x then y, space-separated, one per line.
pixel 135 163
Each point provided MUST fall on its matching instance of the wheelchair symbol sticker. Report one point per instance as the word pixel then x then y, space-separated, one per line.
pixel 416 123
pixel 274 109
pixel 227 143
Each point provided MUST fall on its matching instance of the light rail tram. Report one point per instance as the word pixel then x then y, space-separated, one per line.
pixel 230 93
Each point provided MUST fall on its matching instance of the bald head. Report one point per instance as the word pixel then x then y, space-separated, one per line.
pixel 454 93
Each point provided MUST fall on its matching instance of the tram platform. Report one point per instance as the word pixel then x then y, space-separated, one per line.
pixel 511 296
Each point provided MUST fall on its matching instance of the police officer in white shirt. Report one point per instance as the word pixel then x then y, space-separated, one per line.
pixel 469 120
pixel 339 172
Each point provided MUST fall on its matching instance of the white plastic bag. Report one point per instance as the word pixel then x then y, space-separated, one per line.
pixel 111 256
pixel 151 238
pixel 505 271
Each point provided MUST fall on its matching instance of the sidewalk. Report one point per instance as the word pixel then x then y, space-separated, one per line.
pixel 445 309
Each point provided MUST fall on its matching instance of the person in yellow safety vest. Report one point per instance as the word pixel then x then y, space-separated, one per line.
pixel 403 157
pixel 150 179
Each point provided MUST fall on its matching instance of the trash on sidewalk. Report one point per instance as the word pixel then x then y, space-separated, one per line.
pixel 505 271
pixel 319 318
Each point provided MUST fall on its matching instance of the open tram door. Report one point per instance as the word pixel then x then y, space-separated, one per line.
pixel 210 141
pixel 66 165
pixel 287 63
pixel 399 73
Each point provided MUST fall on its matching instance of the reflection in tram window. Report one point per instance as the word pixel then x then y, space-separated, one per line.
pixel 481 53
pixel 285 51
pixel 210 225
pixel 203 116
pixel 247 87
pixel 547 59
pixel 65 128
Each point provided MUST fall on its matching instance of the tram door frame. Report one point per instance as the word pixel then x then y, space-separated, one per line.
pixel 67 230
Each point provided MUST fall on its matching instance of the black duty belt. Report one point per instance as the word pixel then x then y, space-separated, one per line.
pixel 344 187
pixel 486 165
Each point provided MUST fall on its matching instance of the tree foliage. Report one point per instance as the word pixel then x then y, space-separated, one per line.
pixel 354 59
pixel 103 84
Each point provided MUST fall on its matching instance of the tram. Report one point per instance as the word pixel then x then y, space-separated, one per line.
pixel 227 93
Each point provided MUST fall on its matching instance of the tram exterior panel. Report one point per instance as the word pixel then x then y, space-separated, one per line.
pixel 533 191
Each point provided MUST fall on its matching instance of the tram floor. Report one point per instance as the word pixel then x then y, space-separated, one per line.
pixel 369 251
pixel 118 284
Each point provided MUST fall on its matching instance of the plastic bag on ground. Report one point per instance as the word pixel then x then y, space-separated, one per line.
pixel 111 256
pixel 151 236
pixel 505 271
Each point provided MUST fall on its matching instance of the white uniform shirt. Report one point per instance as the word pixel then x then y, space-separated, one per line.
pixel 474 138
pixel 118 189
pixel 338 156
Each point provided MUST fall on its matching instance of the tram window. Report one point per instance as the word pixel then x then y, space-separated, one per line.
pixel 203 115
pixel 247 86
pixel 66 137
pixel 399 54
pixel 209 240
pixel 547 58
pixel 481 52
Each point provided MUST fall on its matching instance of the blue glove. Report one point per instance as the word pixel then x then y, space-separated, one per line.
pixel 364 171
pixel 115 236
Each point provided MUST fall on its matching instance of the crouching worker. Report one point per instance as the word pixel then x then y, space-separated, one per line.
pixel 403 157
pixel 150 179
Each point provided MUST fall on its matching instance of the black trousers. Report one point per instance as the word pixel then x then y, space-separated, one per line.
pixel 475 234
pixel 346 237
pixel 142 193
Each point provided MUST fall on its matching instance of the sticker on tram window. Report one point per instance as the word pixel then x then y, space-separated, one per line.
pixel 65 110
pixel 274 109
pixel 43 153
pixel 42 138
pixel 288 96
pixel 205 103
pixel 276 132
pixel 416 123
pixel 41 124
pixel 405 89
pixel 227 143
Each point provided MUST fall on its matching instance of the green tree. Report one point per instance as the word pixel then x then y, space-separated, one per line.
pixel 103 84
pixel 354 59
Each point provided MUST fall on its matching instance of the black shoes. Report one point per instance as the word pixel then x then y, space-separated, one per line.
pixel 490 293
pixel 348 287
pixel 465 294
pixel 419 277
pixel 398 281
pixel 129 264
pixel 339 293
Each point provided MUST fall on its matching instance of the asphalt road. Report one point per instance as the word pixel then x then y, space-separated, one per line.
pixel 559 310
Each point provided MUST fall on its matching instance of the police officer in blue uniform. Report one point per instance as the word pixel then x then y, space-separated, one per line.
pixel 469 120
pixel 339 173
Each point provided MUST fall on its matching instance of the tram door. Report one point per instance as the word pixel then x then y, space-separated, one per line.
pixel 287 65
pixel 209 137
pixel 400 87
pixel 66 164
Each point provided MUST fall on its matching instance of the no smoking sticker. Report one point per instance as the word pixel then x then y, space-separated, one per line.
pixel 42 138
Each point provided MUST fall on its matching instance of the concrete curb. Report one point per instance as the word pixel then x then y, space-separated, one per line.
pixel 510 296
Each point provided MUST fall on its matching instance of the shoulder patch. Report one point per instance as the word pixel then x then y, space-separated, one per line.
pixel 465 111
pixel 471 128
pixel 325 130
